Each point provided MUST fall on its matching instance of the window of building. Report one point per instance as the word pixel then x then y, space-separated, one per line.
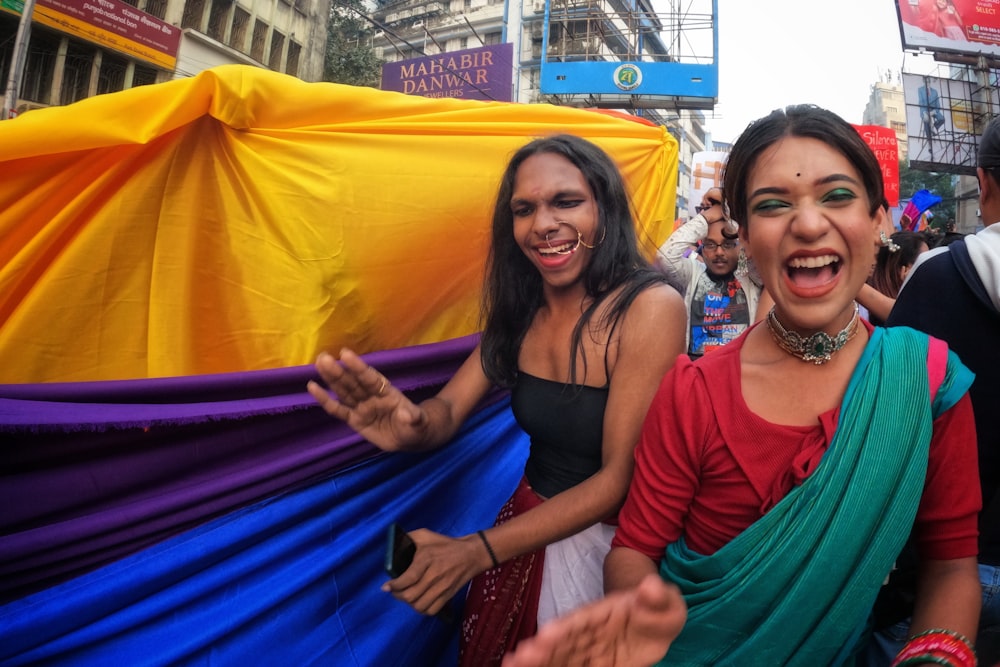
pixel 194 10
pixel 699 132
pixel 294 51
pixel 891 110
pixel 277 44
pixel 463 43
pixel 898 126
pixel 218 19
pixel 111 77
pixel 76 73
pixel 238 35
pixel 157 8
pixel 259 37
pixel 492 38
pixel 6 46
pixel 134 3
pixel 39 67
pixel 143 76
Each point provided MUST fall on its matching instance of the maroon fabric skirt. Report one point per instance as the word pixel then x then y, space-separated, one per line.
pixel 502 605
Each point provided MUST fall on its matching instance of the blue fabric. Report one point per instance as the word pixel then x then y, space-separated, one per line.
pixel 291 580
pixel 924 199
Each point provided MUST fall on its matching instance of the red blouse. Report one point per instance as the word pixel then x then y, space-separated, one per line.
pixel 689 481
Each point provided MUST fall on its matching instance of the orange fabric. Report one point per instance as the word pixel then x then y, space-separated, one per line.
pixel 244 219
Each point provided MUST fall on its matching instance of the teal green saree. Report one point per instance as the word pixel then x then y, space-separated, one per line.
pixel 796 587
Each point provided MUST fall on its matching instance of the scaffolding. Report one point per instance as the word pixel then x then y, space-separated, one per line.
pixel 610 52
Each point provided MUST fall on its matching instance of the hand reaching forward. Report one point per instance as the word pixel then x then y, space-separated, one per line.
pixel 625 629
pixel 368 402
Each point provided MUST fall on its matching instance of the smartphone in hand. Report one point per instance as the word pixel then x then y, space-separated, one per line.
pixel 399 551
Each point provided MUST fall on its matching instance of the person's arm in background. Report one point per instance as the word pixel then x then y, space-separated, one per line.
pixel 879 305
pixel 672 258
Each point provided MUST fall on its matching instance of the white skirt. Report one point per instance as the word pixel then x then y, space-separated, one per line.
pixel 573 574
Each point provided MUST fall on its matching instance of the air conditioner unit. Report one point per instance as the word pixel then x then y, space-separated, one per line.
pixel 418 24
pixel 379 33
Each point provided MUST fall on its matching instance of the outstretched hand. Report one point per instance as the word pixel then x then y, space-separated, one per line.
pixel 625 629
pixel 367 401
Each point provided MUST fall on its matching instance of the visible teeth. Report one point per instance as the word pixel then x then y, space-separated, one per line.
pixel 551 250
pixel 811 262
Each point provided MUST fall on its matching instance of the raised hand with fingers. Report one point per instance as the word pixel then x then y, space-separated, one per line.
pixel 368 402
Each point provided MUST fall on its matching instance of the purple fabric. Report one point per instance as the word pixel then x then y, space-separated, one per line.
pixel 93 471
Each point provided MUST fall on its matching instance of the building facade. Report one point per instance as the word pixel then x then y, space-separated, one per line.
pixel 566 31
pixel 887 107
pixel 81 48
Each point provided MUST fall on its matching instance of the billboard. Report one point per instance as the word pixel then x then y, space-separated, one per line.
pixel 631 55
pixel 943 123
pixel 110 23
pixel 969 27
pixel 485 73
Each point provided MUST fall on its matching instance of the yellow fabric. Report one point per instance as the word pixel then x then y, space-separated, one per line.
pixel 243 219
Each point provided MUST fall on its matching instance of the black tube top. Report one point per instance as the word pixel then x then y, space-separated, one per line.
pixel 566 425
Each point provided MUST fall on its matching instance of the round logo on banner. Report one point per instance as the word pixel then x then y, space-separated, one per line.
pixel 628 76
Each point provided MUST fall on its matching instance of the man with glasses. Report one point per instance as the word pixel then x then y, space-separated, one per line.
pixel 720 295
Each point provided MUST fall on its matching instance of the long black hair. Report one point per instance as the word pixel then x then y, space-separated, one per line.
pixel 512 291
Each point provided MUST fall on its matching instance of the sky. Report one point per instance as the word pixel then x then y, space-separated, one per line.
pixel 773 53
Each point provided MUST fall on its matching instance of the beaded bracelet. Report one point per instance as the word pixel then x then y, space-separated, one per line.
pixel 489 549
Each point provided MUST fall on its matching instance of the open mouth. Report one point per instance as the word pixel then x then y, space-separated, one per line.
pixel 807 272
pixel 563 248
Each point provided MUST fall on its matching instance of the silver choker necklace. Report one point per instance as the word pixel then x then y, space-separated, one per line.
pixel 817 348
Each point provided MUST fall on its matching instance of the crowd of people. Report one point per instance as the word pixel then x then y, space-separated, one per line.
pixel 728 457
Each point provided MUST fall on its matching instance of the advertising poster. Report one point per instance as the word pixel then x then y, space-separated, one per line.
pixel 485 73
pixel 942 123
pixel 967 27
pixel 111 23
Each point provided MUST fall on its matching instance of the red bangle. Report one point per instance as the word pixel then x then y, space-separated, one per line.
pixel 943 647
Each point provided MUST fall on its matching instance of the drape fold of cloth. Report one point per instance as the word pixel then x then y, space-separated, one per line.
pixel 172 259
pixel 267 551
pixel 796 587
pixel 90 472
pixel 243 219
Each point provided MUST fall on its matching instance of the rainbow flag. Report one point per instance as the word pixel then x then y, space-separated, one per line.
pixel 172 259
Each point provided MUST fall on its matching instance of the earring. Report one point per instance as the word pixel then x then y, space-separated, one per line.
pixel 890 245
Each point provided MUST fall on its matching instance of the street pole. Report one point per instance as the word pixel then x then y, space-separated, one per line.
pixel 17 61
